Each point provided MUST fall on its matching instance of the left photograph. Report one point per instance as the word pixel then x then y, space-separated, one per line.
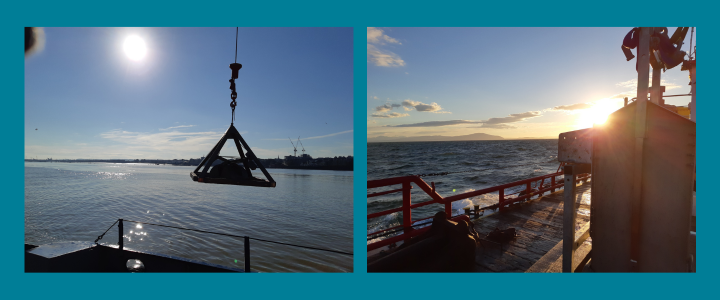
pixel 188 149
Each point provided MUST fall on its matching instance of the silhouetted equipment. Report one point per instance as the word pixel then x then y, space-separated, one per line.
pixel 235 67
pixel 232 170
pixel 448 246
pixel 665 51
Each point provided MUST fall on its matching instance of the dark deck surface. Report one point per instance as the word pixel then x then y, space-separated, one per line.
pixel 539 246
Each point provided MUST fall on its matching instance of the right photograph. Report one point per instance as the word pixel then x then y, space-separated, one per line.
pixel 534 150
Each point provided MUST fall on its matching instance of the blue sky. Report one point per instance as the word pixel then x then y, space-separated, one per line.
pixel 511 82
pixel 88 99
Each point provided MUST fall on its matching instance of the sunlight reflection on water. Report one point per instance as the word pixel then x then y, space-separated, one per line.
pixel 77 202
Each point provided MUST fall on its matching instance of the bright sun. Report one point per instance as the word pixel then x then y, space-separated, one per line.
pixel 597 114
pixel 134 47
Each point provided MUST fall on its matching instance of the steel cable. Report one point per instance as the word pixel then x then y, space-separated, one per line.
pixel 240 236
pixel 102 235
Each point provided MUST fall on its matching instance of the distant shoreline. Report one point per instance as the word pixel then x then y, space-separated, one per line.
pixel 184 164
pixel 518 139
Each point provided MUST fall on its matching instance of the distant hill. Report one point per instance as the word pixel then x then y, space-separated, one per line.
pixel 436 138
pixel 537 138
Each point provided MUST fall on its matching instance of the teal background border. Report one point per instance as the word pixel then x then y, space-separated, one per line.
pixel 358 285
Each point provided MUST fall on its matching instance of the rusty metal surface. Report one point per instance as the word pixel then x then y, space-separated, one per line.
pixel 575 146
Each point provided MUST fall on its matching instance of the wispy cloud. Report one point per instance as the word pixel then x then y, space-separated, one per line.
pixel 164 142
pixel 572 107
pixel 315 137
pixel 514 118
pixel 174 127
pixel 377 36
pixel 328 135
pixel 381 57
pixel 496 123
pixel 498 126
pixel 390 115
pixel 438 123
pixel 628 84
pixel 632 83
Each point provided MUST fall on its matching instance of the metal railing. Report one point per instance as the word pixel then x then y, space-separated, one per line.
pixel 407 227
pixel 246 239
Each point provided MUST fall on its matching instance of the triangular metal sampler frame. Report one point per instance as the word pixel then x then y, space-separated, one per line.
pixel 249 161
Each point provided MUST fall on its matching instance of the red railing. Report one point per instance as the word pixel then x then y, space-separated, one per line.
pixel 406 209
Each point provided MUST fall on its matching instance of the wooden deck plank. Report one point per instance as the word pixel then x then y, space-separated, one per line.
pixel 539 223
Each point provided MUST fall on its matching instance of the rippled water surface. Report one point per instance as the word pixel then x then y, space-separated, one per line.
pixel 79 201
pixel 496 158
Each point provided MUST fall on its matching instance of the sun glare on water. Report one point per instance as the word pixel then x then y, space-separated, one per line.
pixel 134 47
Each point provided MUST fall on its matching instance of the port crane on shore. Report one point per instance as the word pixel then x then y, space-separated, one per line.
pixel 294 147
pixel 301 145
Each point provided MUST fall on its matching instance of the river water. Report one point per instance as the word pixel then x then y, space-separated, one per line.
pixel 79 201
pixel 490 163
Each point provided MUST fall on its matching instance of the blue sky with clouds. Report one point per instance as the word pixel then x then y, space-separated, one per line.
pixel 88 99
pixel 511 82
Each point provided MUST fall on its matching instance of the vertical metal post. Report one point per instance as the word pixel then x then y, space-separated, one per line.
pixel 626 101
pixel 656 93
pixel 552 183
pixel 407 215
pixel 640 123
pixel 568 219
pixel 120 234
pixel 501 199
pixel 247 254
pixel 529 190
pixel 643 63
pixel 693 113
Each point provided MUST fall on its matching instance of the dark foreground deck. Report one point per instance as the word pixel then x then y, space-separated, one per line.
pixel 540 225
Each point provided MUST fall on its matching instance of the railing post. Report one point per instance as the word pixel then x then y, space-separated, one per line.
pixel 552 183
pixel 407 214
pixel 247 254
pixel 501 199
pixel 120 234
pixel 529 190
pixel 568 219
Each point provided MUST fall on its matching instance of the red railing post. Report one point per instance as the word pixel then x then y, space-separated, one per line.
pixel 407 215
pixel 407 206
pixel 529 190
pixel 501 199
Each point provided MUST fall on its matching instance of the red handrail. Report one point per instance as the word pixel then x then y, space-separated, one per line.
pixel 406 209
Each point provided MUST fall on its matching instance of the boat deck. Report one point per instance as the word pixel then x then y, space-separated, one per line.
pixel 539 223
